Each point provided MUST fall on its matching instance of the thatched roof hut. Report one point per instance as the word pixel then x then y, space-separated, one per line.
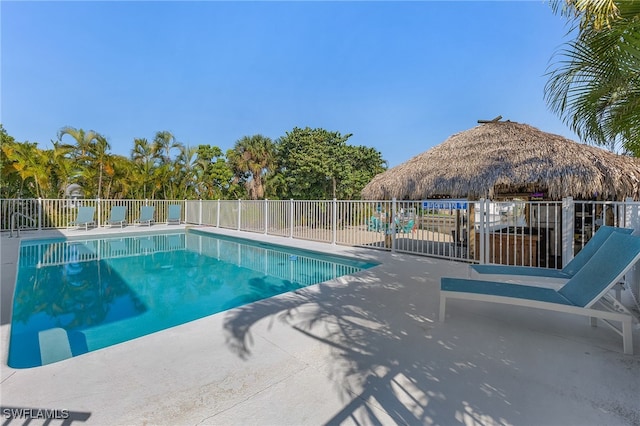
pixel 506 158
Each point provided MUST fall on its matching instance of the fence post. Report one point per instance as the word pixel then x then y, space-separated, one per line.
pixel 39 214
pixel 218 215
pixel 334 221
pixel 200 211
pixel 291 218
pixel 568 215
pixel 632 214
pixel 266 216
pixel 186 206
pixel 632 220
pixel 482 231
pixel 239 212
pixel 393 224
pixel 99 208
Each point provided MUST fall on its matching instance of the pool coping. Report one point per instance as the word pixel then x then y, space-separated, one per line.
pixel 361 349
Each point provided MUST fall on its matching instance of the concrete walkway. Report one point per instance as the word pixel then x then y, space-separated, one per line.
pixel 359 350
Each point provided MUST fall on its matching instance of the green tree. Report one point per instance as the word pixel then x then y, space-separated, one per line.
pixel 318 164
pixel 142 157
pixel 251 159
pixel 90 157
pixel 30 164
pixel 120 172
pixel 28 171
pixel 363 164
pixel 10 182
pixel 60 168
pixel 164 178
pixel 594 83
pixel 185 172
pixel 101 158
pixel 214 173
pixel 163 143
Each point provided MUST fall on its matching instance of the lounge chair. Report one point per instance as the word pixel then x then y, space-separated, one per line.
pixel 117 216
pixel 374 224
pixel 586 288
pixel 84 218
pixel 174 214
pixel 146 215
pixel 568 271
pixel 406 228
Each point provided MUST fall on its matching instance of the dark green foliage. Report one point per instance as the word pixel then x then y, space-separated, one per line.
pixel 304 164
pixel 594 85
pixel 316 164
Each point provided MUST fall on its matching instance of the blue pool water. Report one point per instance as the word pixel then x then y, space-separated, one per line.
pixel 73 297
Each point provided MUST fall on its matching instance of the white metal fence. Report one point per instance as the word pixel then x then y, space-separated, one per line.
pixel 528 233
pixel 44 213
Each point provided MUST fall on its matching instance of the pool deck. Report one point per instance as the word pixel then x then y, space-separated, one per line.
pixel 359 350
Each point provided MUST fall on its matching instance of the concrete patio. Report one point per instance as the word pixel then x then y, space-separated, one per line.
pixel 364 349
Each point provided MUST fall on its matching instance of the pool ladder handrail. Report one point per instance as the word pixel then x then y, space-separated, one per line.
pixel 13 226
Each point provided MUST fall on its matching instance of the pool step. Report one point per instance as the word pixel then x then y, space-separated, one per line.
pixel 54 345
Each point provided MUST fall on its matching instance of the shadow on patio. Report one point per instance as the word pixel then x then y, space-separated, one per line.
pixel 391 363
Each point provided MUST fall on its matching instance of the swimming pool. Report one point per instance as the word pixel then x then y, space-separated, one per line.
pixel 77 296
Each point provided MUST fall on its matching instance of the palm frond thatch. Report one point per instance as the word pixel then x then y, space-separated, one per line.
pixel 507 157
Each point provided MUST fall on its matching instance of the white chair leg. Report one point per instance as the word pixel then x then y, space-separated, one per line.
pixel 627 337
pixel 443 302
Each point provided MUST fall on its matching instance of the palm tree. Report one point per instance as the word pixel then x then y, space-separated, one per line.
pixel 60 168
pixel 163 143
pixel 101 157
pixel 142 156
pixel 83 139
pixel 120 171
pixel 91 154
pixel 186 172
pixel 589 13
pixel 30 164
pixel 251 159
pixel 595 85
pixel 10 182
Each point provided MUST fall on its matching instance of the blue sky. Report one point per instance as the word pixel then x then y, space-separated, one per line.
pixel 400 76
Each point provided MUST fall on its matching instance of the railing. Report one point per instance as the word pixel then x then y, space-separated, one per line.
pixel 15 226
pixel 57 213
pixel 528 233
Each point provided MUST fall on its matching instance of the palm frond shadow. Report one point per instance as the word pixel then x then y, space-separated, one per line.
pixel 384 351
